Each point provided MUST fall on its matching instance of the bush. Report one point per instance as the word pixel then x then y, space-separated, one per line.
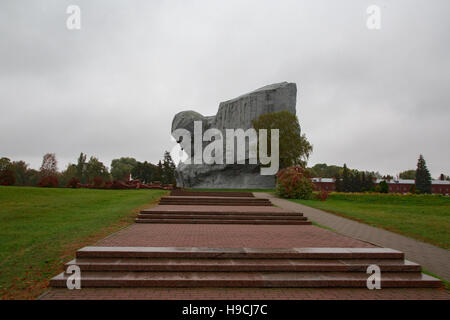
pixel 295 183
pixel 382 187
pixel 73 183
pixel 322 195
pixel 7 177
pixel 97 182
pixel 48 182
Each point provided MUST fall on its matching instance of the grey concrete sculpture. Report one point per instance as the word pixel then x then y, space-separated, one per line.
pixel 237 113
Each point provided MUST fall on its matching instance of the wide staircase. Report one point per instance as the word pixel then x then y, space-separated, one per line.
pixel 213 207
pixel 236 267
pixel 242 267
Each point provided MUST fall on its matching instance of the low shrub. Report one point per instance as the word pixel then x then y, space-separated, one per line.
pixel 295 183
pixel 97 182
pixel 7 177
pixel 322 195
pixel 73 183
pixel 48 182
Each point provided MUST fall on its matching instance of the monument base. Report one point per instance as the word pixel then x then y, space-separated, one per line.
pixel 223 177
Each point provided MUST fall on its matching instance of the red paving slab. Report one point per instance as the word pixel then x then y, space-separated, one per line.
pixel 245 294
pixel 229 236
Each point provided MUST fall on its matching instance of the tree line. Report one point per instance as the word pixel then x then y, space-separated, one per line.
pixel 87 172
pixel 351 180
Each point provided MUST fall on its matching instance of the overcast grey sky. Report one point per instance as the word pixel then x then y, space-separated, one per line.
pixel 373 99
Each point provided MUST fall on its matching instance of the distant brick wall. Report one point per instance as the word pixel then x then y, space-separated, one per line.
pixel 324 186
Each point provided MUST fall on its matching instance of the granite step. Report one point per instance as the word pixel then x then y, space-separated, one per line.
pixel 216 210
pixel 241 265
pixel 239 253
pixel 211 193
pixel 215 199
pixel 224 221
pixel 184 203
pixel 246 279
pixel 222 216
pixel 218 202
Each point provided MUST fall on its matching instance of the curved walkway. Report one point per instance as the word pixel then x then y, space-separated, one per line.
pixel 433 259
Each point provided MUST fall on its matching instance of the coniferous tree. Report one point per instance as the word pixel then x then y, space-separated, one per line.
pixel 81 168
pixel 363 182
pixel 159 172
pixel 346 182
pixel 356 182
pixel 168 169
pixel 338 183
pixel 423 177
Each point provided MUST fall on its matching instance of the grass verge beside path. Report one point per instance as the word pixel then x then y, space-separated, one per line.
pixel 422 217
pixel 40 230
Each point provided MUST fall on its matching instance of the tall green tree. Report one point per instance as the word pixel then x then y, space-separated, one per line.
pixel 33 177
pixel 20 169
pixel 144 171
pixel 382 187
pixel 70 172
pixel 4 163
pixel 121 168
pixel 338 183
pixel 294 147
pixel 159 172
pixel 423 177
pixel 368 184
pixel 7 176
pixel 49 165
pixel 81 169
pixel 346 179
pixel 96 169
pixel 168 169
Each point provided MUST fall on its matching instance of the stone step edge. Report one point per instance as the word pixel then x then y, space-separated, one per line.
pixel 250 253
pixel 211 194
pixel 215 204
pixel 235 203
pixel 287 265
pixel 244 279
pixel 224 213
pixel 222 221
pixel 218 216
pixel 214 198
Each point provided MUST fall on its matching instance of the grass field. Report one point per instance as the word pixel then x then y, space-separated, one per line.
pixel 40 229
pixel 423 217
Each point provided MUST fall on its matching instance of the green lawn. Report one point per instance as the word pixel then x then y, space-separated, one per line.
pixel 423 217
pixel 41 228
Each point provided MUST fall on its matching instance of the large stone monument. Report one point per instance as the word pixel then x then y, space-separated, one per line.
pixel 237 113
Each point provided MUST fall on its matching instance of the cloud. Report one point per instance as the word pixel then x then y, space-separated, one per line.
pixel 372 99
